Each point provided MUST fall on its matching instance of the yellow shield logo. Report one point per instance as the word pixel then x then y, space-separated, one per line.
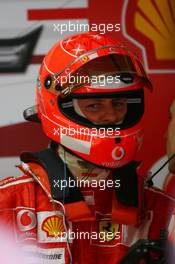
pixel 107 230
pixel 53 226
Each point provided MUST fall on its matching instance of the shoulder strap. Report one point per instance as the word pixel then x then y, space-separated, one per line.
pixel 58 173
pixel 127 194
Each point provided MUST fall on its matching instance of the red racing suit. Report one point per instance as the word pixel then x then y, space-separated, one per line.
pixel 42 224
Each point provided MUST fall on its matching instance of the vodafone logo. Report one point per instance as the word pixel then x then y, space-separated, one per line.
pixel 118 153
pixel 26 220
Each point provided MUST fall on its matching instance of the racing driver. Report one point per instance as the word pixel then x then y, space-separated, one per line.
pixel 83 199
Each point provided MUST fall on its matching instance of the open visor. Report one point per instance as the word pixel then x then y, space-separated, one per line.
pixel 102 69
pixel 117 110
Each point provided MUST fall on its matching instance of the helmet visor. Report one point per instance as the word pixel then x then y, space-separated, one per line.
pixel 115 70
pixel 121 109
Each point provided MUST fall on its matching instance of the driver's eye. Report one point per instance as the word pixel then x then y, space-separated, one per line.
pixel 118 104
pixel 93 107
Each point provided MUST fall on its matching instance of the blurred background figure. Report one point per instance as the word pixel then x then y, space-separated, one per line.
pixel 171 138
pixel 169 184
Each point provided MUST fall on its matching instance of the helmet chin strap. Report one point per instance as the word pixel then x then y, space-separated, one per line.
pixel 80 113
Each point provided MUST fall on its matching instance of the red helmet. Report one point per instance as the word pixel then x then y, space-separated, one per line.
pixel 80 67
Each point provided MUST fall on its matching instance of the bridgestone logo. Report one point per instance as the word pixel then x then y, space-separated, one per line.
pixel 45 256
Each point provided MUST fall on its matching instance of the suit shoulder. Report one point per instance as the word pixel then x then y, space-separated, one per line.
pixel 156 192
pixel 15 180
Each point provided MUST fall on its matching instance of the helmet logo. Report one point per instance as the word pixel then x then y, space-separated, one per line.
pixel 85 58
pixel 118 153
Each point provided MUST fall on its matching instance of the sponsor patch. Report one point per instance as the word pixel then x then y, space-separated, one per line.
pixel 26 223
pixel 51 227
pixel 108 230
pixel 36 255
pixel 105 233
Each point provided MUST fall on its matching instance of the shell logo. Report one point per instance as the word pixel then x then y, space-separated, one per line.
pixel 157 24
pixel 53 226
pixel 150 25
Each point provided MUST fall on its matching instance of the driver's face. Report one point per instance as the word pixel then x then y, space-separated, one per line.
pixel 104 111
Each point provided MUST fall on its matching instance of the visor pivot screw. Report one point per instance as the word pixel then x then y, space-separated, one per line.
pixel 48 82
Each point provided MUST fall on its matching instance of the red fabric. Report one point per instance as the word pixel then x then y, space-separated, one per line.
pixel 27 211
